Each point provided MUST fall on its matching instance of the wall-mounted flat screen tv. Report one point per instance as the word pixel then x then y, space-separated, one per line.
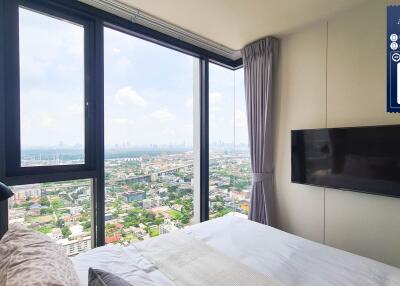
pixel 363 159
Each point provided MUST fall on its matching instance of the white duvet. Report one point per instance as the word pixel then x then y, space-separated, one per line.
pixel 286 258
pixel 188 261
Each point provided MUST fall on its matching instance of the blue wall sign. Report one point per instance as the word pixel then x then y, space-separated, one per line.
pixel 393 58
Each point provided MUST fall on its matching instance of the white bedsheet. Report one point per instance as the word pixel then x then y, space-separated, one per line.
pixel 288 259
pixel 188 261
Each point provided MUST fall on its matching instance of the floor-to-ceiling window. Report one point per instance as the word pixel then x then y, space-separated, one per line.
pixel 155 127
pixel 229 160
pixel 148 138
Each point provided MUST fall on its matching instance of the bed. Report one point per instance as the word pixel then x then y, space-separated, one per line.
pixel 282 258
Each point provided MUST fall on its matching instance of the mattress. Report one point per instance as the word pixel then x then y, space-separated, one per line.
pixel 288 259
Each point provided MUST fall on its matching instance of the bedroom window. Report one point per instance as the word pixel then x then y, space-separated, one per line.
pixel 90 98
pixel 52 97
pixel 149 158
pixel 61 210
pixel 49 91
pixel 49 125
pixel 229 158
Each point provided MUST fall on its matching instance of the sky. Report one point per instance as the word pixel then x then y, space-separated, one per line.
pixel 148 90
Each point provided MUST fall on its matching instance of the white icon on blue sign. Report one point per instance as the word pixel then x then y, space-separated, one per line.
pixel 396 57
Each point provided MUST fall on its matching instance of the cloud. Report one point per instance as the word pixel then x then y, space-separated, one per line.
pixel 127 95
pixel 189 102
pixel 26 123
pixel 68 68
pixel 241 119
pixel 46 120
pixel 41 57
pixel 168 132
pixel 215 98
pixel 76 50
pixel 123 122
pixel 75 109
pixel 163 115
pixel 120 121
pixel 123 62
pixel 116 50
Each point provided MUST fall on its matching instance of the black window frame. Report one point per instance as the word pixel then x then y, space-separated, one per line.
pixel 11 171
pixel 12 87
pixel 94 21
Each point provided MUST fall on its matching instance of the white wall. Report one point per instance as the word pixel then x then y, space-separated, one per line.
pixel 333 74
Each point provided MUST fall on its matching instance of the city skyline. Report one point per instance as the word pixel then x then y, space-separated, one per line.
pixel 128 145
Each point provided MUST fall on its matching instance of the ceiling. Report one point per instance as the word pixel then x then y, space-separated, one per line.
pixel 235 23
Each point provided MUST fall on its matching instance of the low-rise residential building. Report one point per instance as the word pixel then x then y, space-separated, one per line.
pixel 56 234
pixel 133 196
pixel 74 247
pixel 147 204
pixel 177 207
pixel 108 216
pixel 168 227
pixel 75 210
pixel 34 209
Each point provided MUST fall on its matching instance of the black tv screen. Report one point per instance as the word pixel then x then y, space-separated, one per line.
pixel 364 159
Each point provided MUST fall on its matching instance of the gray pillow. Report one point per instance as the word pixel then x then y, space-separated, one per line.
pixel 99 277
pixel 31 258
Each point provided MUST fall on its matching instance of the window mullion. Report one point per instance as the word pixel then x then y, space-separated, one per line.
pixel 99 183
pixel 204 139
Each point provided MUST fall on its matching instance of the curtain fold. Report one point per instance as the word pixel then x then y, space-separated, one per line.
pixel 259 62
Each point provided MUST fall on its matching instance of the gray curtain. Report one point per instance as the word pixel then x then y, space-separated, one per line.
pixel 259 60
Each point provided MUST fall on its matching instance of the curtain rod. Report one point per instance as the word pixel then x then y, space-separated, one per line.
pixel 137 16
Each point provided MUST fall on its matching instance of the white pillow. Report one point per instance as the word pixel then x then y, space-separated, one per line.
pixel 31 258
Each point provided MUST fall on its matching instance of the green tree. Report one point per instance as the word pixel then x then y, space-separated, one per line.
pixel 66 231
pixel 110 229
pixel 172 189
pixel 185 218
pixel 46 211
pixel 158 220
pixel 44 201
pixel 45 229
pixel 222 212
pixel 60 223
pixel 26 205
pixel 87 225
pixel 57 203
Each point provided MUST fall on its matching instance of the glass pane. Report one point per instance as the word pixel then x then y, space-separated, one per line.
pixel 229 154
pixel 148 139
pixel 61 210
pixel 51 90
pixel 242 176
